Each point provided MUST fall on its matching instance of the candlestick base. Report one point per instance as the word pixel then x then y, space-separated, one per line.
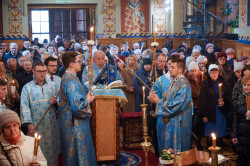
pixel 145 147
pixel 214 154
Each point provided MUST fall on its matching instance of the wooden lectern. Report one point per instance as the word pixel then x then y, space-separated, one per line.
pixel 105 129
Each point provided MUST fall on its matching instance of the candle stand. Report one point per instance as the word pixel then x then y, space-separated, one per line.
pixel 145 145
pixel 214 154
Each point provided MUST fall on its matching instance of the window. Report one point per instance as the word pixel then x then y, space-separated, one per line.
pixel 40 24
pixel 48 21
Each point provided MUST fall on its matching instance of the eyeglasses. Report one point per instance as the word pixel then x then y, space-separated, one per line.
pixel 41 71
pixel 221 59
pixel 52 65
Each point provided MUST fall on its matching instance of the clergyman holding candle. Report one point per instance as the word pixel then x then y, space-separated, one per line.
pixel 20 147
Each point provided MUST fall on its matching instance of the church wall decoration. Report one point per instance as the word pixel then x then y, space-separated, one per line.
pixel 134 16
pixel 243 13
pixel 15 16
pixel 109 16
pixel 248 13
pixel 159 16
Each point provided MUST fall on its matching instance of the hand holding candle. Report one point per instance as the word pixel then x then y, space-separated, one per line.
pixel 13 87
pixel 214 140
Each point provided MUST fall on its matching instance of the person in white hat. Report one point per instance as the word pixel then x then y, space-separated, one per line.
pixel 202 62
pixel 15 145
pixel 196 53
pixel 238 66
pixel 213 105
pixel 195 79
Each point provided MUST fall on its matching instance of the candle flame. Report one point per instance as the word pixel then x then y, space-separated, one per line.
pixel 13 81
pixel 91 29
pixel 143 88
pixel 213 135
pixel 155 29
pixel 220 84
pixel 35 135
pixel 39 137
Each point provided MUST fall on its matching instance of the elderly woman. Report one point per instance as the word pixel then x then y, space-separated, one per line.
pixel 241 125
pixel 139 58
pixel 27 54
pixel 213 109
pixel 195 53
pixel 128 76
pixel 114 51
pixel 231 56
pixel 202 62
pixel 16 148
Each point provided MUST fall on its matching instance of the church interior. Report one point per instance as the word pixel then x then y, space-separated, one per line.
pixel 224 23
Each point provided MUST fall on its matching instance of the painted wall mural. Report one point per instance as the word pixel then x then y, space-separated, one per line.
pixel 15 17
pixel 243 13
pixel 109 19
pixel 135 16
pixel 160 15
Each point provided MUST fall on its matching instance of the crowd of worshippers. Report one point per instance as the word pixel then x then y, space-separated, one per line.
pixel 26 74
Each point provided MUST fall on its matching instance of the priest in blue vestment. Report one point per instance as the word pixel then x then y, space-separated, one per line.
pixel 173 108
pixel 74 115
pixel 104 73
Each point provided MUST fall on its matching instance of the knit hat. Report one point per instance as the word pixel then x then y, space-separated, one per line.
pixel 230 51
pixel 8 116
pixel 213 66
pixel 209 45
pixel 193 65
pixel 121 57
pixel 243 58
pixel 201 59
pixel 189 59
pixel 238 66
pixel 221 54
pixel 125 53
pixel 172 51
pixel 147 61
pixel 60 49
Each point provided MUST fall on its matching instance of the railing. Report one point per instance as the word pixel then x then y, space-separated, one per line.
pixel 204 10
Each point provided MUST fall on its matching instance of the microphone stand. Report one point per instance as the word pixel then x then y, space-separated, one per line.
pixel 132 72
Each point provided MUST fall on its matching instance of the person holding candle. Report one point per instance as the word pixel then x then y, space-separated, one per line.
pixel 18 146
pixel 213 108
pixel 74 114
pixel 36 97
pixel 173 109
pixel 12 100
pixel 202 62
pixel 241 124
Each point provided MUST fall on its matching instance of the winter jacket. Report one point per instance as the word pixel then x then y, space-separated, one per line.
pixel 21 154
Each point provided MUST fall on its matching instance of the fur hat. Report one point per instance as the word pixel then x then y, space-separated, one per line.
pixel 8 116
pixel 209 45
pixel 201 59
pixel 193 65
pixel 147 61
pixel 230 50
pixel 189 59
pixel 213 66
pixel 60 49
pixel 238 66
pixel 221 54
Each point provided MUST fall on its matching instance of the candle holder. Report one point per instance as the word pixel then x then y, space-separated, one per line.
pixel 214 154
pixel 145 145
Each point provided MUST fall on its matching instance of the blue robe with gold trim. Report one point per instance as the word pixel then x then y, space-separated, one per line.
pixel 74 114
pixel 175 106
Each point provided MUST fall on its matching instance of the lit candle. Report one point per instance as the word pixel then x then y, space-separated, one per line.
pixel 155 35
pixel 34 153
pixel 13 87
pixel 143 94
pixel 202 76
pixel 214 140
pixel 91 33
pixel 220 91
pixel 248 104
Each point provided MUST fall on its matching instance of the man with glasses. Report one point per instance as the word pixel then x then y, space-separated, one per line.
pixel 74 114
pixel 36 97
pixel 51 65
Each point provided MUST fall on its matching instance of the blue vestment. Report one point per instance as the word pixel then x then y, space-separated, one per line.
pixel 104 75
pixel 74 114
pixel 35 99
pixel 175 111
pixel 2 107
